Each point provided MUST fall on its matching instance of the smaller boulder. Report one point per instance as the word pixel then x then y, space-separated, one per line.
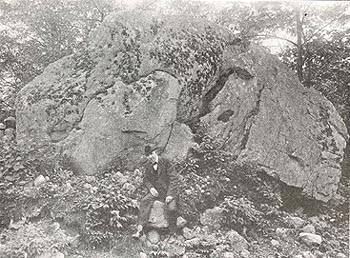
pixel 153 237
pixel 10 131
pixel 10 122
pixel 309 229
pixel 9 134
pixel 129 187
pixel 175 250
pixel 52 255
pixel 310 239
pixel 180 222
pixel 319 254
pixel 39 180
pixel 2 126
pixel 318 223
pixel 228 255
pixel 308 254
pixel 238 243
pixel 143 255
pixel 275 243
pixel 193 242
pixel 341 255
pixel 87 186
pixel 212 217
pixel 17 225
pixel 90 179
pixel 295 222
pixel 54 227
pixel 67 188
pixel 245 254
pixel 157 217
pixel 282 232
pixel 188 233
pixel 151 246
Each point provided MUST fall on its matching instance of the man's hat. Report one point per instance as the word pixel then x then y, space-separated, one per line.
pixel 148 150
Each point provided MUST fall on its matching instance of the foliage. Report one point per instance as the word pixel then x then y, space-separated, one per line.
pixel 326 68
pixel 31 240
pixel 240 212
pixel 39 32
pixel 255 20
pixel 212 245
pixel 108 210
pixel 98 208
pixel 19 166
pixel 212 176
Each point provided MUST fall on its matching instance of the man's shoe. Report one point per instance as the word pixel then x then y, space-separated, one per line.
pixel 137 235
pixel 172 239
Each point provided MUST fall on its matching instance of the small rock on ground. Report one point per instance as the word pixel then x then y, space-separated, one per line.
pixel 193 242
pixel 238 243
pixel 143 255
pixel 310 239
pixel 295 222
pixel 52 255
pixel 309 229
pixel 153 236
pixel 282 232
pixel 188 233
pixel 39 180
pixel 181 222
pixel 307 254
pixel 275 243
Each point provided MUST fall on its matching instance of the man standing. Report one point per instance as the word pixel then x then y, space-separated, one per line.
pixel 161 181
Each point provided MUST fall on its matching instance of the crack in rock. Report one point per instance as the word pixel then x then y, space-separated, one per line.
pixel 249 119
pixel 219 85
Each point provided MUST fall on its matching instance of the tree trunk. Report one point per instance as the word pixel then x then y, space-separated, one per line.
pixel 299 67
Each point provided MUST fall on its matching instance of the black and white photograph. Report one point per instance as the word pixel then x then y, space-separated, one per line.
pixel 174 129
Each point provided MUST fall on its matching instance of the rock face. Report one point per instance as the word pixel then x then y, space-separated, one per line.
pixel 145 81
pixel 271 120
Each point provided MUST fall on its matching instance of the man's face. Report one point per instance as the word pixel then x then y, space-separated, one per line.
pixel 153 157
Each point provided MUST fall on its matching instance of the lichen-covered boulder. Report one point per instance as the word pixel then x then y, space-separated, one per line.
pixel 145 80
pixel 107 102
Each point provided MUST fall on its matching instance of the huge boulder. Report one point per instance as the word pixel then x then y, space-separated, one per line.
pixel 147 81
pixel 271 120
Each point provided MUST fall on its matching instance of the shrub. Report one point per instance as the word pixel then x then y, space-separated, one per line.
pixel 240 213
pixel 211 174
pixel 31 240
pixel 19 165
pixel 111 207
pixel 101 207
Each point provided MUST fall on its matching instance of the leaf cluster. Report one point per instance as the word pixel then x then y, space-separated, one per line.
pixel 31 240
pixel 211 177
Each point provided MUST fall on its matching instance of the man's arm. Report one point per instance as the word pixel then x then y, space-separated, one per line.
pixel 173 181
pixel 147 179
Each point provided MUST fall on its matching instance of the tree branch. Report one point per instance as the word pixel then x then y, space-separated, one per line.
pixel 322 28
pixel 148 5
pixel 275 37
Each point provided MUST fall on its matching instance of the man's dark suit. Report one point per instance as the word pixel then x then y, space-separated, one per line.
pixel 164 180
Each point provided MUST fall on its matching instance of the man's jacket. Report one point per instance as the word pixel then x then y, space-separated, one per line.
pixel 165 179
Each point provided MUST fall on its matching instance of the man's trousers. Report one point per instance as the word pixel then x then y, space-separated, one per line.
pixel 146 204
